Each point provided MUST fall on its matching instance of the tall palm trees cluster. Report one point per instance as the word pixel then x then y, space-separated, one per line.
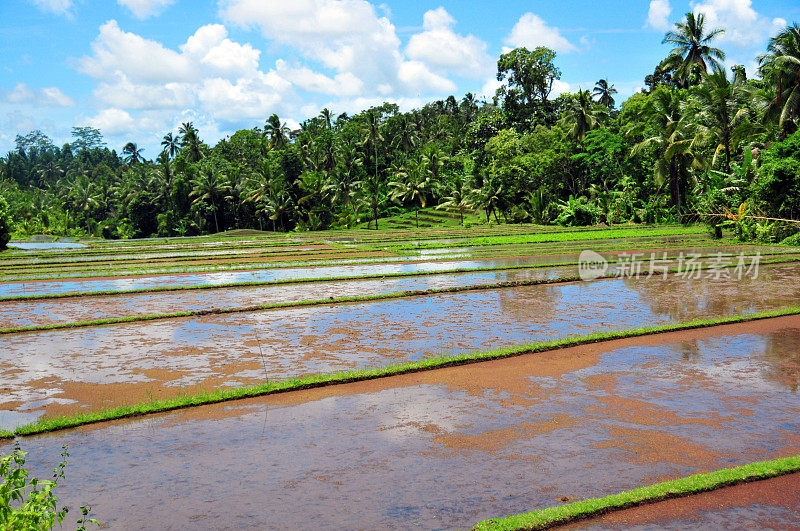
pixel 700 140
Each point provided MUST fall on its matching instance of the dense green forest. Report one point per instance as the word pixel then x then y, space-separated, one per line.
pixel 699 143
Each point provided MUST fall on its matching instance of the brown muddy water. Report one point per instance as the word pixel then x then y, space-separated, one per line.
pixel 66 371
pixel 769 504
pixel 386 266
pixel 447 448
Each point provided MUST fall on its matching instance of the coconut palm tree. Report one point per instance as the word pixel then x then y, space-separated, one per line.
pixel 672 141
pixel 276 132
pixel 133 153
pixel 190 138
pixel 458 197
pixel 692 47
pixel 718 114
pixel 327 117
pixel 604 93
pixel 412 185
pixel 780 68
pixel 171 145
pixel 210 186
pixel 581 116
pixel 83 197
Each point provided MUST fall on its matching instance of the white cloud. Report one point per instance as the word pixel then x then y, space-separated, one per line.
pixel 531 31
pixel 341 84
pixel 440 47
pixel 346 36
pixel 658 15
pixel 145 8
pixel 46 97
pixel 113 122
pixel 744 26
pixel 246 98
pixel 59 7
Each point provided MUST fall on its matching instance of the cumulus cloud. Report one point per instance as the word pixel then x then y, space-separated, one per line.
pixel 59 7
pixel 46 97
pixel 440 47
pixel 145 8
pixel 531 31
pixel 658 15
pixel 346 36
pixel 744 26
pixel 341 84
pixel 113 122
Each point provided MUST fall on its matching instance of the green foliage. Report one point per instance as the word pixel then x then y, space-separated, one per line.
pixel 31 503
pixel 577 212
pixel 5 223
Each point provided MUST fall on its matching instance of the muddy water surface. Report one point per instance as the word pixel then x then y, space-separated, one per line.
pixel 384 267
pixel 65 371
pixel 769 504
pixel 447 448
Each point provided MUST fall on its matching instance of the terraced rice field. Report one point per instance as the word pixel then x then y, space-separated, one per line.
pixel 380 421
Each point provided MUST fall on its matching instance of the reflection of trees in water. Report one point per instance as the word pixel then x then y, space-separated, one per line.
pixel 782 357
pixel 683 299
pixel 528 302
pixel 689 349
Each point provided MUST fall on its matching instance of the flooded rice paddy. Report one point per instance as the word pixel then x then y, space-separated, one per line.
pixel 768 504
pixel 447 448
pixel 67 371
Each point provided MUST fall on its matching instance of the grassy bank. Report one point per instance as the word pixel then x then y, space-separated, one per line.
pixel 687 486
pixel 45 425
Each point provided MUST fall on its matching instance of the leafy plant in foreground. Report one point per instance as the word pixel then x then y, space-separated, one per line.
pixel 30 503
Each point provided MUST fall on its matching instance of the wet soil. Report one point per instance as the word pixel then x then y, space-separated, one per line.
pixel 447 448
pixel 65 371
pixel 386 267
pixel 769 504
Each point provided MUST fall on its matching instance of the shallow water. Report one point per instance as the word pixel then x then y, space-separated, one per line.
pixel 384 267
pixel 43 246
pixel 447 448
pixel 65 370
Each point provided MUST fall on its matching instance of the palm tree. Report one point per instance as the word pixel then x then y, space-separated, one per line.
pixel 133 153
pixel 190 138
pixel 277 132
pixel 580 116
pixel 489 197
pixel 83 197
pixel 458 197
pixel 718 113
pixel 672 140
pixel 605 93
pixel 210 186
pixel 375 186
pixel 327 117
pixel 412 185
pixel 406 138
pixel 692 47
pixel 171 145
pixel 781 69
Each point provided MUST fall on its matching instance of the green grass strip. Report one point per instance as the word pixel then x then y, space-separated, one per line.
pixel 678 488
pixel 50 424
pixel 197 287
pixel 320 302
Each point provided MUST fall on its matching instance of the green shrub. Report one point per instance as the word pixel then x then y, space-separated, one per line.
pixel 31 503
pixel 5 223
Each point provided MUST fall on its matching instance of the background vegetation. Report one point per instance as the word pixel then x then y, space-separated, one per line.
pixel 700 142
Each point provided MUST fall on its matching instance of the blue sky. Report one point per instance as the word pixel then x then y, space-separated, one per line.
pixel 136 69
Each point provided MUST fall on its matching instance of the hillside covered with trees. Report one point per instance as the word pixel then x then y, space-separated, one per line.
pixel 701 142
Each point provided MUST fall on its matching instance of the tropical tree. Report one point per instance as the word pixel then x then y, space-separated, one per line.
pixel 580 116
pixel 413 185
pixel 171 145
pixel 276 132
pixel 692 47
pixel 210 186
pixel 458 197
pixel 132 152
pixel 718 114
pixel 327 117
pixel 83 197
pixel 780 67
pixel 190 138
pixel 604 93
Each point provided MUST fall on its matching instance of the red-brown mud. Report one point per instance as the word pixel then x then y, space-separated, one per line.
pixel 446 448
pixel 58 371
pixel 768 504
